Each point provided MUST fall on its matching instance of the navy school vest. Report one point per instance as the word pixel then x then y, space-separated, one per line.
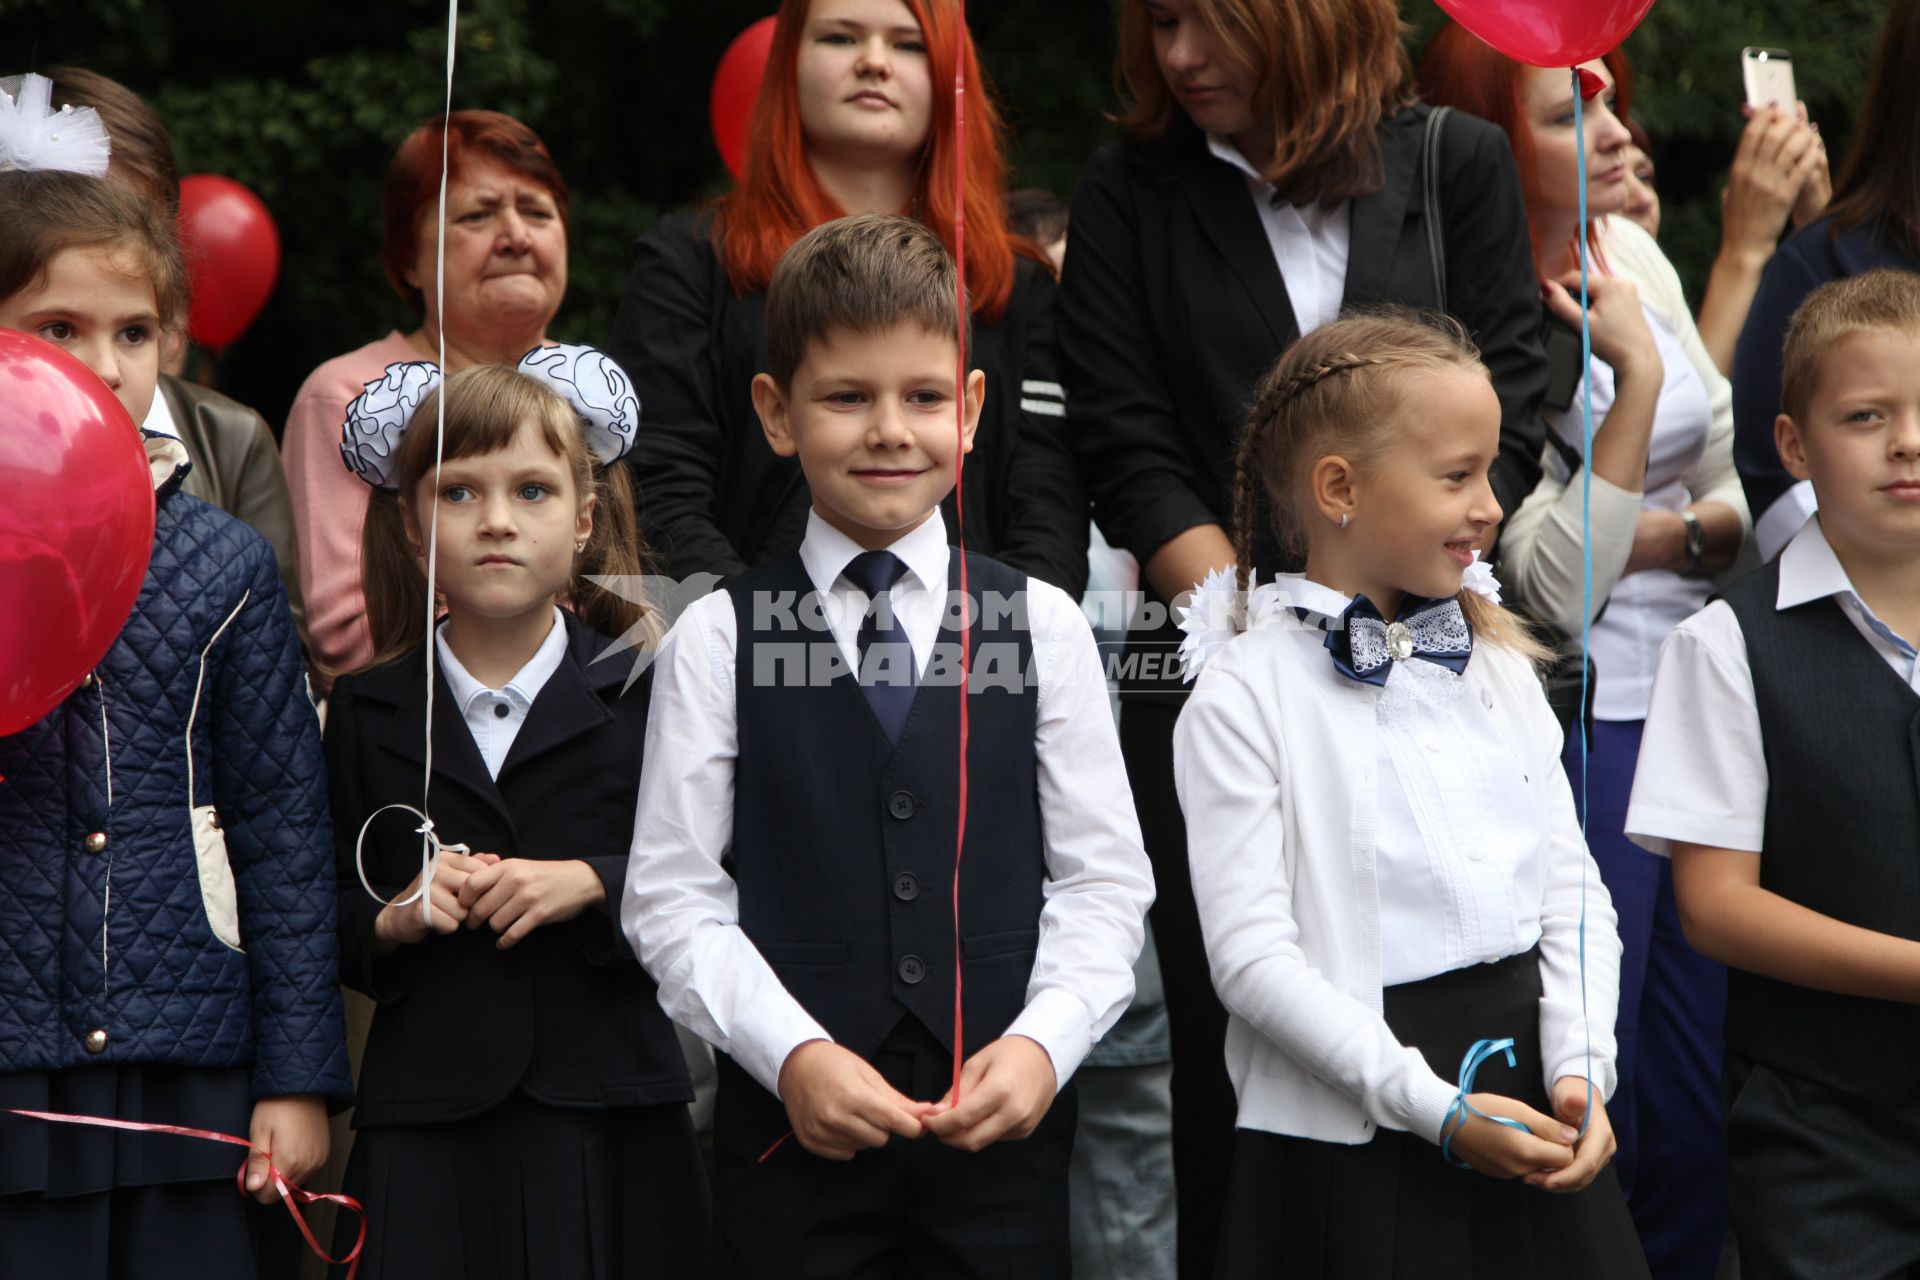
pixel 1841 734
pixel 843 842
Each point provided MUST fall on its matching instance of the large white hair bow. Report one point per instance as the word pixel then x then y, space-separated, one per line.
pixel 587 379
pixel 33 136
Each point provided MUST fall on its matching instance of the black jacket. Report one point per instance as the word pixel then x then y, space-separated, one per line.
pixel 715 499
pixel 1172 308
pixel 567 1015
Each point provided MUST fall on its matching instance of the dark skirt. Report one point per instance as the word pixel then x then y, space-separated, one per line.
pixel 527 1191
pixel 95 1203
pixel 1392 1208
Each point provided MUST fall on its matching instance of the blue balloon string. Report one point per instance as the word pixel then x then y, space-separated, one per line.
pixel 1586 566
pixel 1469 1065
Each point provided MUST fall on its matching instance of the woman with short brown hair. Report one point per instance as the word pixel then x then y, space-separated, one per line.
pixel 1273 175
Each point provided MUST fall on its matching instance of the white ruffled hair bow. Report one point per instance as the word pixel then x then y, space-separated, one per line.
pixel 588 379
pixel 33 136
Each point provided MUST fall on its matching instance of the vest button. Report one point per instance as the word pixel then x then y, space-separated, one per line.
pixel 96 1041
pixel 912 969
pixel 901 805
pixel 906 886
pixel 97 842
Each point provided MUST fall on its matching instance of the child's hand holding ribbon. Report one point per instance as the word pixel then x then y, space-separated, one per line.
pixel 1486 1144
pixel 400 923
pixel 1571 1096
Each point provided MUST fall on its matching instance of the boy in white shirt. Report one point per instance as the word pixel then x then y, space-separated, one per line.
pixel 1779 773
pixel 792 886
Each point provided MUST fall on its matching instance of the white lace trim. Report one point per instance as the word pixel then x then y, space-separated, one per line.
pixel 1437 630
pixel 1414 691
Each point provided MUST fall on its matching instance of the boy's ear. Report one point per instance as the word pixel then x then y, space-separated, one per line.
pixel 1333 487
pixel 1792 446
pixel 771 404
pixel 976 400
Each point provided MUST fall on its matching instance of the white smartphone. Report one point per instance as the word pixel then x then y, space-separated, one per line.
pixel 1769 77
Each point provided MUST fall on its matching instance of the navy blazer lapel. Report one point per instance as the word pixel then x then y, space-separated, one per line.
pixel 456 758
pixel 571 702
pixel 1226 212
pixel 1378 219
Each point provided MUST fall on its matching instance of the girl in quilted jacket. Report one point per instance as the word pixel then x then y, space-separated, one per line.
pixel 522 1109
pixel 168 951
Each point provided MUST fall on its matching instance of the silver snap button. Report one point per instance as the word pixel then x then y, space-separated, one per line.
pixel 97 842
pixel 96 1040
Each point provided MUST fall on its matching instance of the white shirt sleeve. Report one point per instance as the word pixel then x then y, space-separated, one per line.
pixel 1099 883
pixel 1702 774
pixel 1228 767
pixel 681 910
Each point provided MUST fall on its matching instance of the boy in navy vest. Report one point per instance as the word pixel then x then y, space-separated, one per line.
pixel 1781 772
pixel 792 883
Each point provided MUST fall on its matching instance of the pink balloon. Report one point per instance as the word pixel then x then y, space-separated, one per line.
pixel 1550 33
pixel 76 525
pixel 736 83
pixel 233 256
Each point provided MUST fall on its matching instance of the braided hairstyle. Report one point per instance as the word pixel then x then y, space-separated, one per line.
pixel 1341 389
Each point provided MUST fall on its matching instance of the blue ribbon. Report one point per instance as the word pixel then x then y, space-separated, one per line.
pixel 1469 1065
pixel 1363 614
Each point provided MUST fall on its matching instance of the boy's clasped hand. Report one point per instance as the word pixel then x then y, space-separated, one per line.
pixel 840 1105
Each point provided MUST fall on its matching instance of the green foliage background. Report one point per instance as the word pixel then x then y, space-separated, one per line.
pixel 303 100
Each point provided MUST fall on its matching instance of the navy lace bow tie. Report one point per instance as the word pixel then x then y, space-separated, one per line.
pixel 1365 645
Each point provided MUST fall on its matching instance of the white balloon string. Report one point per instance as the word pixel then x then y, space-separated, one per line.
pixel 428 843
pixel 430 850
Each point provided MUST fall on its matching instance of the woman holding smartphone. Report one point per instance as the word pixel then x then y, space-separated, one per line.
pixel 1272 175
pixel 1667 515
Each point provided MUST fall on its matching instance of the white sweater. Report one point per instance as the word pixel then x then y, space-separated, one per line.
pixel 1275 760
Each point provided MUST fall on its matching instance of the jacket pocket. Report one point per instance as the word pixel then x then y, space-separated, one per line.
pixel 217 894
pixel 985 946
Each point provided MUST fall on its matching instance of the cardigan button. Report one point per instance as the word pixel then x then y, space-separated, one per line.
pixel 912 969
pixel 901 805
pixel 97 842
pixel 95 1041
pixel 906 886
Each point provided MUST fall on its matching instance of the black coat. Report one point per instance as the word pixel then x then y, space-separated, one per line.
pixel 567 1015
pixel 715 499
pixel 1172 309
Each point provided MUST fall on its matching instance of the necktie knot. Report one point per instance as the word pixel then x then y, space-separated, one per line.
pixel 874 572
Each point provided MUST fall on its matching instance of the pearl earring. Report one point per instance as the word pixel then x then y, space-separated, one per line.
pixel 578 547
pixel 1343 519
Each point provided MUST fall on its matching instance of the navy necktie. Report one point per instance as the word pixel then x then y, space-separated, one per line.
pixel 888 672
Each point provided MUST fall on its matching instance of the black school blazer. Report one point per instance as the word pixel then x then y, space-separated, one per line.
pixel 567 1015
pixel 1171 310
pixel 714 498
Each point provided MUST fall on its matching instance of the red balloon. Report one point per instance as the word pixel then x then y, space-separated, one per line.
pixel 1550 33
pixel 736 83
pixel 233 256
pixel 76 526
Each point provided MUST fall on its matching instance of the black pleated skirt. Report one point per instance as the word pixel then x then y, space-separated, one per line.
pixel 528 1191
pixel 1392 1208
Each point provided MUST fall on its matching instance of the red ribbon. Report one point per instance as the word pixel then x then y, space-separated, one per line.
pixel 959 506
pixel 289 1193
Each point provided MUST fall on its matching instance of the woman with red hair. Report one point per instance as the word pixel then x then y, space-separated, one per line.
pixel 855 115
pixel 506 272
pixel 1667 515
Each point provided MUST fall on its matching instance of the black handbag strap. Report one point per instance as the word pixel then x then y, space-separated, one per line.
pixel 1430 180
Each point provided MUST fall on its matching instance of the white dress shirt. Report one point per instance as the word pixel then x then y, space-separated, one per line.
pixel 160 417
pixel 681 908
pixel 1309 243
pixel 1281 765
pixel 1702 775
pixel 494 716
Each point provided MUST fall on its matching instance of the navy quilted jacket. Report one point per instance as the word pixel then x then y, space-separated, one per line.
pixel 128 934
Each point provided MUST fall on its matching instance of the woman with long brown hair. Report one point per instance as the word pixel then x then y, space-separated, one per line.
pixel 855 115
pixel 1272 175
pixel 1873 221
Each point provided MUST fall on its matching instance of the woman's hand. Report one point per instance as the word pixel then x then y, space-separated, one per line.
pixel 1592 1151
pixel 518 895
pixel 1618 325
pixel 397 926
pixel 1779 157
pixel 1502 1152
pixel 293 1130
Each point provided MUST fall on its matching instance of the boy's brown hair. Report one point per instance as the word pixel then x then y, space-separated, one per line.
pixel 45 213
pixel 1882 299
pixel 862 274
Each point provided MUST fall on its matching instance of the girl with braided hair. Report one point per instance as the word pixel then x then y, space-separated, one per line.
pixel 1385 858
